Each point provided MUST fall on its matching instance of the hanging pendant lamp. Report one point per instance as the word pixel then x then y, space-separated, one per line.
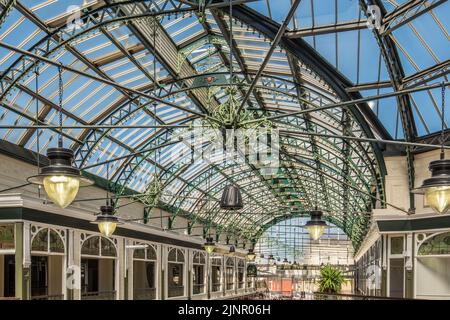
pixel 232 251
pixel 315 226
pixel 251 255
pixel 436 189
pixel 61 180
pixel 209 245
pixel 271 259
pixel 231 198
pixel 107 221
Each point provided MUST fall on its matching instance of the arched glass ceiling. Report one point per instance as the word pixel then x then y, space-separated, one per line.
pixel 418 30
pixel 288 239
pixel 115 43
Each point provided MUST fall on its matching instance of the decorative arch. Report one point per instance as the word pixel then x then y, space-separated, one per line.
pixel 98 246
pixel 47 240
pixel 435 244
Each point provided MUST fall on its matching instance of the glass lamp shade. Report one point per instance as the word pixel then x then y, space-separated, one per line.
pixel 438 198
pixel 60 179
pixel 315 231
pixel 316 226
pixel 231 198
pixel 209 245
pixel 107 228
pixel 436 189
pixel 107 221
pixel 62 190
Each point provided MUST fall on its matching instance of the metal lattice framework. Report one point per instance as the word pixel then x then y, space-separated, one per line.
pixel 151 63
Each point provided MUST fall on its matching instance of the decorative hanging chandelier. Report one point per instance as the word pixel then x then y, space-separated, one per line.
pixel 315 226
pixel 61 180
pixel 437 188
pixel 209 245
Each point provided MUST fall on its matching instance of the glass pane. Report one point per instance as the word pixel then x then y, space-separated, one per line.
pixel 172 255
pixel 139 254
pixel 180 256
pixel 40 241
pixel 175 280
pixel 198 279
pixel 7 236
pixel 229 278
pixel 216 261
pixel 397 245
pixel 56 244
pixel 108 249
pixel 437 245
pixel 91 247
pixel 151 253
pixel 215 278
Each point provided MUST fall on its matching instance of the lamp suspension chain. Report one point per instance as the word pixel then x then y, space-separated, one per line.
pixel 38 146
pixel 61 92
pixel 443 121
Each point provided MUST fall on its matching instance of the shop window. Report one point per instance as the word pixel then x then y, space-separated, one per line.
pixel 240 274
pixel 175 273
pixel 229 274
pixel 144 273
pixel 216 274
pixel 199 262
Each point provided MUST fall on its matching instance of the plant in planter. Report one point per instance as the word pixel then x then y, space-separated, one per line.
pixel 331 280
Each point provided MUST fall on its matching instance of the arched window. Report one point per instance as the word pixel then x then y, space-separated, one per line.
pixel 97 246
pixel 229 274
pixel 198 276
pixel 175 273
pixel 216 273
pixel 435 245
pixel 47 240
pixel 98 268
pixel 240 274
pixel 144 272
pixel 47 259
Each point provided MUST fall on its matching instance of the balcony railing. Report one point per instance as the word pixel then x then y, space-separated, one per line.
pixel 341 296
pixel 48 297
pixel 175 291
pixel 99 295
pixel 144 294
pixel 198 288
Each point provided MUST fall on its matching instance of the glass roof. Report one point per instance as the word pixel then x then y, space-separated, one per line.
pixel 121 47
pixel 288 239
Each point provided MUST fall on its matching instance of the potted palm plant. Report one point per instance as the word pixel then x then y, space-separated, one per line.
pixel 331 280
